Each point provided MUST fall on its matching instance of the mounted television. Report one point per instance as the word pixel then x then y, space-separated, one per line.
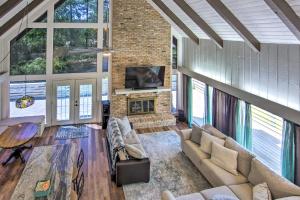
pixel 144 77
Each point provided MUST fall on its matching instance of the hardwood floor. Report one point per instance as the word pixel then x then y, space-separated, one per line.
pixel 98 184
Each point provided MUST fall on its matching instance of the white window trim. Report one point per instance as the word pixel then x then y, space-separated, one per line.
pixel 50 25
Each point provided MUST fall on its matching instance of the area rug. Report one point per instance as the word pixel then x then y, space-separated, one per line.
pixel 71 132
pixel 170 169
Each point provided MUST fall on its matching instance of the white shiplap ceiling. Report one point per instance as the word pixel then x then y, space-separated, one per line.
pixel 255 15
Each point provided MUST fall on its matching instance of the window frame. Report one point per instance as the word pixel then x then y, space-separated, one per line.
pixel 50 25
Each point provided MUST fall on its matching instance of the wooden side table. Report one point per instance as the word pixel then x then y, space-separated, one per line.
pixel 15 137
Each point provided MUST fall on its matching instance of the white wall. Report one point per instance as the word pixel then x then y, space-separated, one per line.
pixel 274 73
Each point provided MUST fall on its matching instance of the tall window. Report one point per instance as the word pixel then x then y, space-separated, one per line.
pixel 174 53
pixel 174 93
pixel 74 51
pixel 105 78
pixel 76 11
pixel 106 11
pixel 267 137
pixel 28 53
pixel 37 89
pixel 198 102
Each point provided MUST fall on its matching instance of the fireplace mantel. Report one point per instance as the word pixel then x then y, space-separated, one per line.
pixel 131 91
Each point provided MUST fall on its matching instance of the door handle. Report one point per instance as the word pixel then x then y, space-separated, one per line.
pixel 76 104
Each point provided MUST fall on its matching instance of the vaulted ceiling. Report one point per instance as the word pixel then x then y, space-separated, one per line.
pixel 246 20
pixel 253 21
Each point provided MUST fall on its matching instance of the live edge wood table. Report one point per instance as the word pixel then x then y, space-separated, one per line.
pixel 54 163
pixel 15 137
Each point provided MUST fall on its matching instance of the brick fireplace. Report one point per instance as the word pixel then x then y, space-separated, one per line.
pixel 140 37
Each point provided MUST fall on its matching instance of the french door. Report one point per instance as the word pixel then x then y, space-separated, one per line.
pixel 74 102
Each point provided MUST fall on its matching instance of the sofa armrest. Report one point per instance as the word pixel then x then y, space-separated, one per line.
pixel 167 195
pixel 185 134
pixel 132 171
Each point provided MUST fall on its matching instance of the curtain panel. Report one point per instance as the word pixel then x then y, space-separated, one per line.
pixel 290 154
pixel 224 112
pixel 188 99
pixel 244 124
pixel 208 104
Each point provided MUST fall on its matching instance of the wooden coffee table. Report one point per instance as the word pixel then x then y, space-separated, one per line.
pixel 15 137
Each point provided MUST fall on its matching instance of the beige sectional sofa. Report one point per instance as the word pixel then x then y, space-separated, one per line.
pixel 251 172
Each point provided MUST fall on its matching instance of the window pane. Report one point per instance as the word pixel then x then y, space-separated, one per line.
pixel 198 102
pixel 105 64
pixel 76 11
pixel 42 18
pixel 174 53
pixel 105 87
pixel 74 51
pixel 63 102
pixel 86 104
pixel 174 93
pixel 106 11
pixel 106 37
pixel 37 89
pixel 267 137
pixel 28 53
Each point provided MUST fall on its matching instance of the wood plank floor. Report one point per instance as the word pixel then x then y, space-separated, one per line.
pixel 98 185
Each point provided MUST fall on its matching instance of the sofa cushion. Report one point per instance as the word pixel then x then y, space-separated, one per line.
pixel 261 192
pixel 132 138
pixel 193 151
pixel 135 150
pixel 124 125
pixel 224 158
pixel 185 134
pixel 207 140
pixel 218 176
pixel 242 191
pixel 213 131
pixel 223 190
pixel 244 156
pixel 196 134
pixel 279 186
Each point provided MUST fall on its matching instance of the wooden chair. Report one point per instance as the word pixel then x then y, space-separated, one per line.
pixel 76 169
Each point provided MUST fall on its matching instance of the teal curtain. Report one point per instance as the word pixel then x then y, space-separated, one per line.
pixel 288 150
pixel 208 104
pixel 189 101
pixel 243 124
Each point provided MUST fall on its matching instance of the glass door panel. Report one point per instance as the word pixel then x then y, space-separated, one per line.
pixel 63 102
pixel 86 105
pixel 85 101
pixel 63 95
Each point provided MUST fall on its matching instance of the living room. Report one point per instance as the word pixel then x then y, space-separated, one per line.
pixel 150 99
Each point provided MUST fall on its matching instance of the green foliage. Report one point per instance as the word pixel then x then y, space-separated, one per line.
pixel 36 66
pixel 77 11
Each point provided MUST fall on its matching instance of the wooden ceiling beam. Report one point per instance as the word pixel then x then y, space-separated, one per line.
pixel 235 23
pixel 15 19
pixel 8 6
pixel 176 20
pixel 200 22
pixel 287 15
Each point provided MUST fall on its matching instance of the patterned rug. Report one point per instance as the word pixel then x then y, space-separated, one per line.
pixel 170 169
pixel 71 132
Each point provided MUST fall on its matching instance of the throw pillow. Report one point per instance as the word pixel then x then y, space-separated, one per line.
pixel 223 197
pixel 196 134
pixel 207 140
pixel 124 125
pixel 261 192
pixel 224 158
pixel 134 151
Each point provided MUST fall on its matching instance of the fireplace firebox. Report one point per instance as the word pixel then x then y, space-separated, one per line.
pixel 140 106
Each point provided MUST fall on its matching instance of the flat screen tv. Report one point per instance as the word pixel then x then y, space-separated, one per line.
pixel 144 77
